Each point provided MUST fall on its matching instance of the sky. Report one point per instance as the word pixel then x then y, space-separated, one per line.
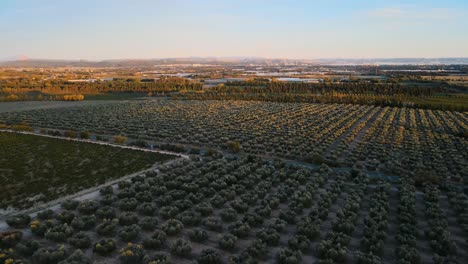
pixel 294 29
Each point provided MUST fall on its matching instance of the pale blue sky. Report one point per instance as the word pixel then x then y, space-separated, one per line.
pixel 109 29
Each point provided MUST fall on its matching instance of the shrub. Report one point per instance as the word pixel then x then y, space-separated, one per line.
pixel 49 255
pixel 88 207
pixel 129 233
pixel 128 218
pixel 108 190
pixel 228 241
pixel 299 242
pixel 146 208
pixel 228 215
pixel 107 199
pixel 27 248
pixel 288 256
pixel 84 222
pixel 213 223
pixel 70 134
pixel 148 223
pixel 270 236
pixel 204 209
pixel 65 216
pixel 59 233
pixel 128 204
pixel 45 214
pixel 18 221
pixel 278 224
pixel 168 212
pixel 104 247
pixel 80 240
pixel 198 235
pixel 209 256
pixel 107 227
pixel 157 240
pixel 190 218
pixel 39 228
pixel 106 212
pixel 131 254
pixel 257 249
pixel 233 146
pixel 181 247
pixel 84 134
pixel 158 258
pixel 240 229
pixel 120 139
pixel 70 204
pixel 172 227
pixel 78 257
pixel 10 238
pixel 367 258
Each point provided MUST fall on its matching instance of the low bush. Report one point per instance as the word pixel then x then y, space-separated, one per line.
pixel 49 255
pixel 18 221
pixel 181 247
pixel 70 204
pixel 128 218
pixel 157 240
pixel 85 222
pixel 172 227
pixel 104 247
pixel 198 235
pixel 80 240
pixel 59 233
pixel 148 223
pixel 131 254
pixel 227 242
pixel 129 233
pixel 45 214
pixel 10 238
pixel 108 227
pixel 78 257
pixel 209 256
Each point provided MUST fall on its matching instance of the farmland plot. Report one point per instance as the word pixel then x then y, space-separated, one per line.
pixel 35 169
pixel 424 143
pixel 247 210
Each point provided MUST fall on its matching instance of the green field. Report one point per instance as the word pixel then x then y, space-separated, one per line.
pixel 36 169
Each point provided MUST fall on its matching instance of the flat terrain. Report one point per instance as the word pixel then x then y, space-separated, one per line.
pixel 393 140
pixel 304 187
pixel 250 210
pixel 38 105
pixel 37 169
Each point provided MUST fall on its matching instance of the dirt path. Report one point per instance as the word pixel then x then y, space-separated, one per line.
pixel 37 105
pixel 91 193
pixel 390 242
pixel 334 145
pixel 422 244
pixel 457 234
pixel 98 143
pixel 362 131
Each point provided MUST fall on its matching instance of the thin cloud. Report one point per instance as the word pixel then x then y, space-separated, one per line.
pixel 403 13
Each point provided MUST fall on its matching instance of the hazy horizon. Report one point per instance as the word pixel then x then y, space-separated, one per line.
pixel 108 30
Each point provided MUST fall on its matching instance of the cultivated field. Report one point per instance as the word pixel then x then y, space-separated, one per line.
pixel 36 169
pixel 398 141
pixel 247 211
pixel 300 189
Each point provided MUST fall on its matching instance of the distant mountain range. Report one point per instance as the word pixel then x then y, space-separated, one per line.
pixel 24 61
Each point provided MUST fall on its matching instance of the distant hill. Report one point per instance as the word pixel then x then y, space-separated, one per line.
pixel 24 61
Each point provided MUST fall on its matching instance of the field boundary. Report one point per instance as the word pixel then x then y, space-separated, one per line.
pixel 97 142
pixel 90 192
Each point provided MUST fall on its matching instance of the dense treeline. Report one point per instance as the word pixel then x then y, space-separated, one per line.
pixel 327 88
pixel 18 86
pixel 360 99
